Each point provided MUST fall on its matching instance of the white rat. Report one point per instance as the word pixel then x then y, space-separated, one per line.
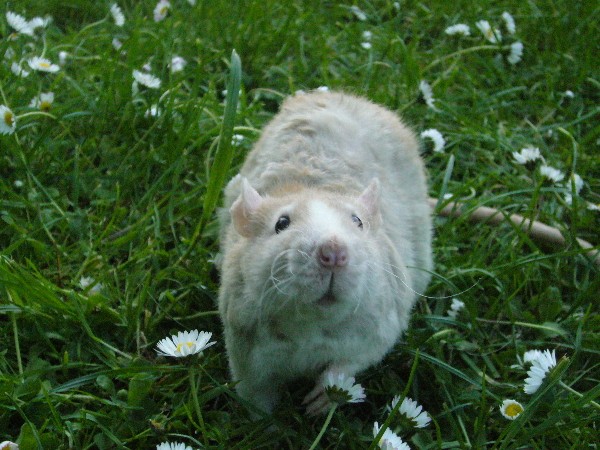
pixel 326 245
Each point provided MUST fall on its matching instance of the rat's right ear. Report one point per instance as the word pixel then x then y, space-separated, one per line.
pixel 244 207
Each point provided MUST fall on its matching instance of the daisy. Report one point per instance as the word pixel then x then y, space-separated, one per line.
pixel 455 307
pixel 43 101
pixel 7 445
pixel 146 79
pixel 62 58
pixel 413 411
pixel 237 139
pixel 184 343
pixel 509 22
pixel 18 70
pixel 577 181
pixel 541 363
pixel 436 137
pixel 367 35
pixel 19 23
pixel 341 389
pixel 527 155
pixel 359 13
pixel 491 34
pixel 552 174
pixel 516 52
pixel 117 15
pixel 161 10
pixel 593 206
pixel 42 65
pixel 459 28
pixel 39 22
pixel 8 121
pixel 173 446
pixel 177 64
pixel 192 2
pixel 366 45
pixel 427 93
pixel 511 409
pixel 569 94
pixel 389 440
pixel 18 184
pixel 153 111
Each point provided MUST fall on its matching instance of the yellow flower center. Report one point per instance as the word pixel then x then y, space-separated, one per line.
pixel 45 65
pixel 181 344
pixel 9 118
pixel 45 106
pixel 513 410
pixel 163 10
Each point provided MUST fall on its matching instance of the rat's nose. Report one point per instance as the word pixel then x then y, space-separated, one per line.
pixel 333 254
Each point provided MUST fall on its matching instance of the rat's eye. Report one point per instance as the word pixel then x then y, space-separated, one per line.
pixel 282 223
pixel 357 221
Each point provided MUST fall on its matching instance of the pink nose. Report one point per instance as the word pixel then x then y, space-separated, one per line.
pixel 333 254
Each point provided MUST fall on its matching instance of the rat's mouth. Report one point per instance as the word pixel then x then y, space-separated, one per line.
pixel 328 298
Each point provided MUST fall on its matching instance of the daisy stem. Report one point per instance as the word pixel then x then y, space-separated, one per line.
pixel 459 53
pixel 17 346
pixel 197 404
pixel 324 427
pixel 573 391
pixel 36 113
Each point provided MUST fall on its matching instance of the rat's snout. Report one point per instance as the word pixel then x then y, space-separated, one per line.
pixel 332 254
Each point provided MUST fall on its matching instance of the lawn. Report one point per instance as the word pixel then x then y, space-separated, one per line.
pixel 117 135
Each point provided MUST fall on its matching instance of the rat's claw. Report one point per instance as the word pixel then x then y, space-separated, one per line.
pixel 312 395
pixel 320 405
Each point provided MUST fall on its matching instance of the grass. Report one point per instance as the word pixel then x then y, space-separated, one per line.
pixel 96 189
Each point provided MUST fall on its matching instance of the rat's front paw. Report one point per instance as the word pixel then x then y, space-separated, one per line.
pixel 316 401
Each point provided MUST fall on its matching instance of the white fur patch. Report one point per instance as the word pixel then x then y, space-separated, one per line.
pixel 324 218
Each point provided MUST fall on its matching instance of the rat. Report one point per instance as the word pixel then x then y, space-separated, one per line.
pixel 326 244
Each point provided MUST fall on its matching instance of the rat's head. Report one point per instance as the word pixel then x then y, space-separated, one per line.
pixel 306 249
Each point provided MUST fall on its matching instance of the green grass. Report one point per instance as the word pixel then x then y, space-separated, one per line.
pixel 107 193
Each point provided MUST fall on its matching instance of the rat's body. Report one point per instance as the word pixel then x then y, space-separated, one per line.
pixel 322 263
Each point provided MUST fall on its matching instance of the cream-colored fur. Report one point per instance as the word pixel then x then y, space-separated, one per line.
pixel 328 162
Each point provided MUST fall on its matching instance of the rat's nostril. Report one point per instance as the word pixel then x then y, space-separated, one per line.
pixel 333 254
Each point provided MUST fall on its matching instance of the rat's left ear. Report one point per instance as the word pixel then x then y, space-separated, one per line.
pixel 369 199
pixel 244 208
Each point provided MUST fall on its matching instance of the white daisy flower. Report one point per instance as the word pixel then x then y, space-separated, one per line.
pixel 427 93
pixel 7 445
pixel 173 446
pixel 569 94
pixel 367 35
pixel 389 440
pixel 413 411
pixel 62 58
pixel 577 181
pixel 18 184
pixel 39 22
pixel 366 45
pixel 531 355
pixel 455 307
pixel 43 101
pixel 117 14
pixel 153 111
pixel 161 10
pixel 516 52
pixel 509 22
pixel 541 363
pixel 341 389
pixel 18 70
pixel 42 65
pixel 527 155
pixel 19 23
pixel 9 54
pixel 459 28
pixel 237 139
pixel 359 13
pixel 8 121
pixel 184 343
pixel 593 206
pixel 192 2
pixel 511 409
pixel 146 79
pixel 491 34
pixel 552 174
pixel 436 137
pixel 177 64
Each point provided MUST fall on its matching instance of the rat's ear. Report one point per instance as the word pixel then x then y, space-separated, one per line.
pixel 369 199
pixel 244 207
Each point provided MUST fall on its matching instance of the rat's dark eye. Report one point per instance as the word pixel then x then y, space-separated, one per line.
pixel 357 221
pixel 282 223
